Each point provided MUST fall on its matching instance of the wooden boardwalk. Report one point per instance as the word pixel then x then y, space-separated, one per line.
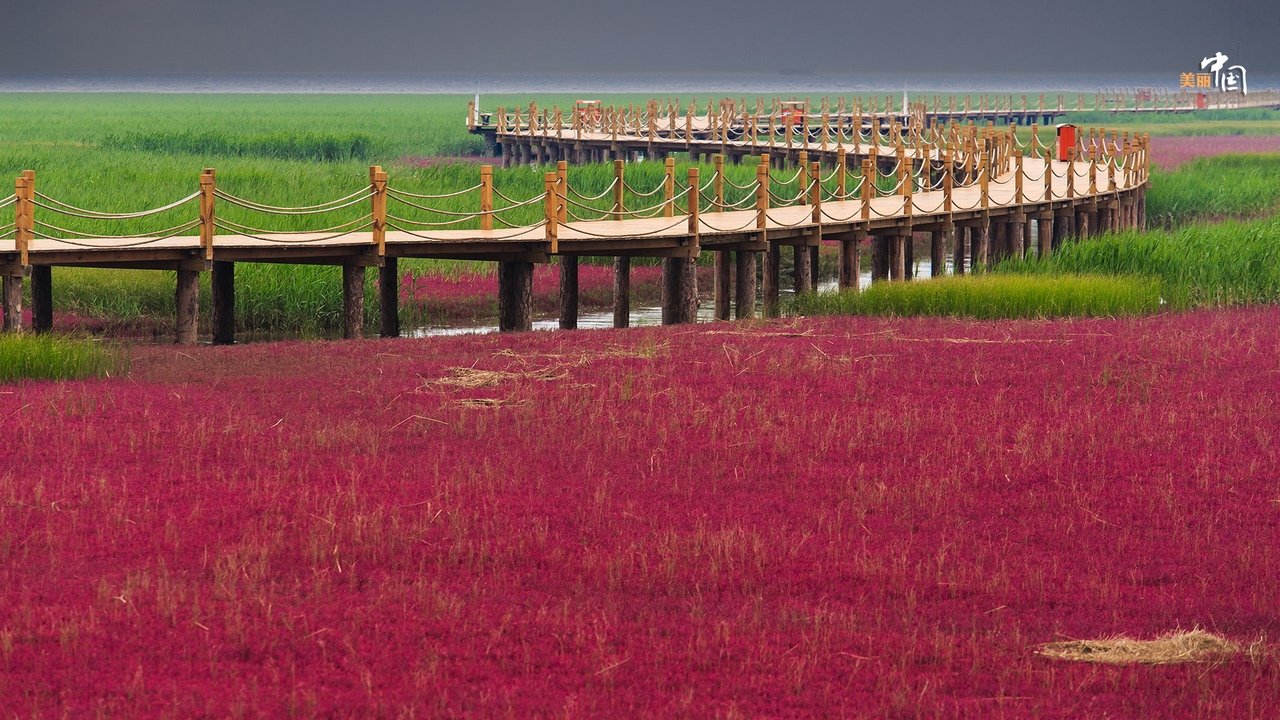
pixel 737 128
pixel 980 194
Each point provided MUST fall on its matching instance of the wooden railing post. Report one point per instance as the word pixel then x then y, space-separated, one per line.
pixel 908 186
pixel 552 215
pixel 619 189
pixel 24 214
pixel 207 212
pixel 1017 178
pixel 693 200
pixel 948 182
pixel 378 180
pixel 802 179
pixel 486 197
pixel 762 192
pixel 1048 175
pixel 842 167
pixel 984 179
pixel 562 177
pixel 718 184
pixel 869 177
pixel 815 194
pixel 669 188
pixel 1071 172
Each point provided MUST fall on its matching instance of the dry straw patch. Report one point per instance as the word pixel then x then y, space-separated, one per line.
pixel 470 378
pixel 480 403
pixel 1196 646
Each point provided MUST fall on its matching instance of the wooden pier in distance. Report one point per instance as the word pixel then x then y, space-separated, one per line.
pixel 737 128
pixel 981 192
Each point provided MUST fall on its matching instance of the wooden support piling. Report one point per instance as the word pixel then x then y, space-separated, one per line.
pixel 389 298
pixel 980 242
pixel 352 301
pixel 187 300
pixel 744 285
pixel 721 282
pixel 222 284
pixel 849 276
pixel 909 256
pixel 12 292
pixel 802 280
pixel 938 253
pixel 679 291
pixel 621 291
pixel 1044 228
pixel 41 298
pixel 515 296
pixel 960 240
pixel 898 256
pixel 568 292
pixel 1016 239
pixel 880 252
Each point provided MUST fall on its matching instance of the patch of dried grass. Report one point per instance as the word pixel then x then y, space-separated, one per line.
pixel 480 403
pixel 470 378
pixel 1196 646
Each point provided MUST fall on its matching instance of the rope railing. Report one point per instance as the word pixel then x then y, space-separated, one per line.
pixel 339 204
pixel 111 240
pixel 72 211
pixel 441 196
pixel 1101 163
pixel 592 198
pixel 443 223
pixel 250 231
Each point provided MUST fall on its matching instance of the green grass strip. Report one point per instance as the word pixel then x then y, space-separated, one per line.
pixel 993 297
pixel 54 357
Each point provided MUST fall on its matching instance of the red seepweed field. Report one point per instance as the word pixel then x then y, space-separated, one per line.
pixel 835 517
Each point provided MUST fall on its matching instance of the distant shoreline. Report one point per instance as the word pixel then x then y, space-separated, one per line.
pixel 779 82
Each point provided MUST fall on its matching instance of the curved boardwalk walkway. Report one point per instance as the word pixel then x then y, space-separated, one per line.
pixel 979 191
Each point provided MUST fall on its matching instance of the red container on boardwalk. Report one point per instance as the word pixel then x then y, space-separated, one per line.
pixel 1066 140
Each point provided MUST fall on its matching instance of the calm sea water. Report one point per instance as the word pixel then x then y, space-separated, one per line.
pixel 520 84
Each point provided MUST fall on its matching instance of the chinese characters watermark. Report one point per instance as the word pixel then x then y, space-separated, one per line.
pixel 1216 74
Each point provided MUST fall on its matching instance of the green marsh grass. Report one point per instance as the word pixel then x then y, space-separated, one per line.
pixel 129 152
pixel 993 297
pixel 1199 265
pixel 1221 186
pixel 54 357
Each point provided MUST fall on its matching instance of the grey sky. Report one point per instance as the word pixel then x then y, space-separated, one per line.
pixel 666 36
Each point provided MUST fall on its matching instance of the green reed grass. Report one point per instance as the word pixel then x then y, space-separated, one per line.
pixel 322 147
pixel 993 297
pixel 1232 263
pixel 1213 188
pixel 54 357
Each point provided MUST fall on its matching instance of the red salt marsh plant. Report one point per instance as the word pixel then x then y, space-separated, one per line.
pixel 835 517
pixel 1171 151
